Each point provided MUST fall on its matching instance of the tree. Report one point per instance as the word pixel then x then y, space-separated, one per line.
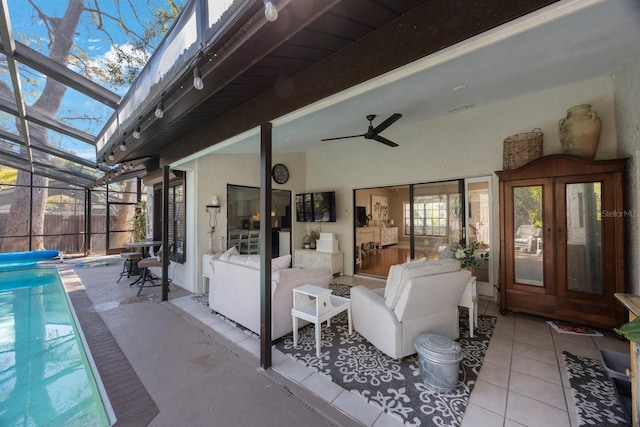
pixel 118 71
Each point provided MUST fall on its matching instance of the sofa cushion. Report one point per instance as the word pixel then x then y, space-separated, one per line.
pixel 393 279
pixel 417 270
pixel 253 261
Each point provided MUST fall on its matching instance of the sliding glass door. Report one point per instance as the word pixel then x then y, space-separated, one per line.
pixel 398 223
pixel 436 225
pixel 478 227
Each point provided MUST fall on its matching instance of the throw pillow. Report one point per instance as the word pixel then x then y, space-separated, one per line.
pixel 229 253
pixel 281 262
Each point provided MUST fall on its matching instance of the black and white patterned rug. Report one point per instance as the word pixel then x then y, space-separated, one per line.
pixel 595 397
pixel 395 386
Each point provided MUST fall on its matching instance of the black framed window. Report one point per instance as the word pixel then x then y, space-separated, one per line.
pixel 177 227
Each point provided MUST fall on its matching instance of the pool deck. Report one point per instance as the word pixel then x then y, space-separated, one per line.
pixel 162 367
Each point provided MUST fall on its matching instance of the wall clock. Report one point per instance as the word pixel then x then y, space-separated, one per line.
pixel 280 173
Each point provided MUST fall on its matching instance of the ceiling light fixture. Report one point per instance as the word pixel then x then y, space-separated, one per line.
pixel 197 79
pixel 123 144
pixel 136 131
pixel 270 11
pixel 159 113
pixel 111 155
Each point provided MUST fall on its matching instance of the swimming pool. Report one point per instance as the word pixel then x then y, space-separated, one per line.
pixel 46 377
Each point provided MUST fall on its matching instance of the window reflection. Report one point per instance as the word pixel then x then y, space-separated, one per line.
pixel 528 242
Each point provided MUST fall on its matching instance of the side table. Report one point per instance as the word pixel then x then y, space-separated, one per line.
pixel 469 299
pixel 316 305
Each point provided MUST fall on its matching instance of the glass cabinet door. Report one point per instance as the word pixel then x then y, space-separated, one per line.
pixel 528 244
pixel 580 238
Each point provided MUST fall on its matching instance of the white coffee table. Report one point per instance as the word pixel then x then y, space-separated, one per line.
pixel 316 305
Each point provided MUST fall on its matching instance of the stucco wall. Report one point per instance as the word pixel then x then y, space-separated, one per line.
pixel 211 174
pixel 462 145
pixel 627 106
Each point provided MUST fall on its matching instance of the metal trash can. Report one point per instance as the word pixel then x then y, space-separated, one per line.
pixel 439 359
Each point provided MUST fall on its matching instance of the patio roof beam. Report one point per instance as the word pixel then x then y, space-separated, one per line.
pixel 21 166
pixel 59 72
pixel 49 123
pixel 54 152
pixel 19 158
pixel 58 126
pixel 6 37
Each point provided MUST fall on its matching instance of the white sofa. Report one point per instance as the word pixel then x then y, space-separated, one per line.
pixel 234 291
pixel 419 297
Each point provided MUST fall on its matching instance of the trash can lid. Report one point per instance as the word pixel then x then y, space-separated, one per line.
pixel 438 348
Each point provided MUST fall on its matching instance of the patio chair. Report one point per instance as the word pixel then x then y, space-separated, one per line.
pixel 251 242
pixel 145 264
pixel 129 259
pixel 234 239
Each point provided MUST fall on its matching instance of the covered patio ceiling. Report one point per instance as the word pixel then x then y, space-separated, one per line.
pixel 320 68
pixel 323 65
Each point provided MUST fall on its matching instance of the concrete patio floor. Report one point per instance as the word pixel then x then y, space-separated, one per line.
pixel 194 375
pixel 200 370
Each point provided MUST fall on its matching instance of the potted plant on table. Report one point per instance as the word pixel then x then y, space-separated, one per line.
pixel 313 236
pixel 466 256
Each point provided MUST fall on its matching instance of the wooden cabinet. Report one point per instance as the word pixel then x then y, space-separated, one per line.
pixel 570 211
pixel 389 236
pixel 632 303
pixel 379 236
pixel 310 258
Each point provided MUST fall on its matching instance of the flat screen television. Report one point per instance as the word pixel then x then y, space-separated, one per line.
pixel 361 216
pixel 316 207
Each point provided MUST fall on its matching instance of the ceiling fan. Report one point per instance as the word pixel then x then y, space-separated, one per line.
pixel 373 133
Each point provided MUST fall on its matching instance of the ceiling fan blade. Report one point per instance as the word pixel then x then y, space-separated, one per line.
pixel 391 120
pixel 385 141
pixel 343 137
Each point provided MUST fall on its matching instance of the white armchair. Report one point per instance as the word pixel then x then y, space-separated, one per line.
pixel 418 298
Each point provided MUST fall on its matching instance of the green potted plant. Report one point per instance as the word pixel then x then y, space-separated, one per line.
pixel 313 236
pixel 466 255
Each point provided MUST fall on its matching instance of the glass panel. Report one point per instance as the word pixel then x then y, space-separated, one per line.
pixel 243 215
pixel 75 109
pixel 479 223
pixel 437 219
pixel 527 220
pixel 584 237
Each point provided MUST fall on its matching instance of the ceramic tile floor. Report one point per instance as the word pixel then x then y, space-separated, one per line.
pixel 522 381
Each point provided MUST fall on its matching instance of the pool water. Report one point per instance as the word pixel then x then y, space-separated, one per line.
pixel 45 376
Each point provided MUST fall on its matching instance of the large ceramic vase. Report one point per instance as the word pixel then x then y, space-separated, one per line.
pixel 580 131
